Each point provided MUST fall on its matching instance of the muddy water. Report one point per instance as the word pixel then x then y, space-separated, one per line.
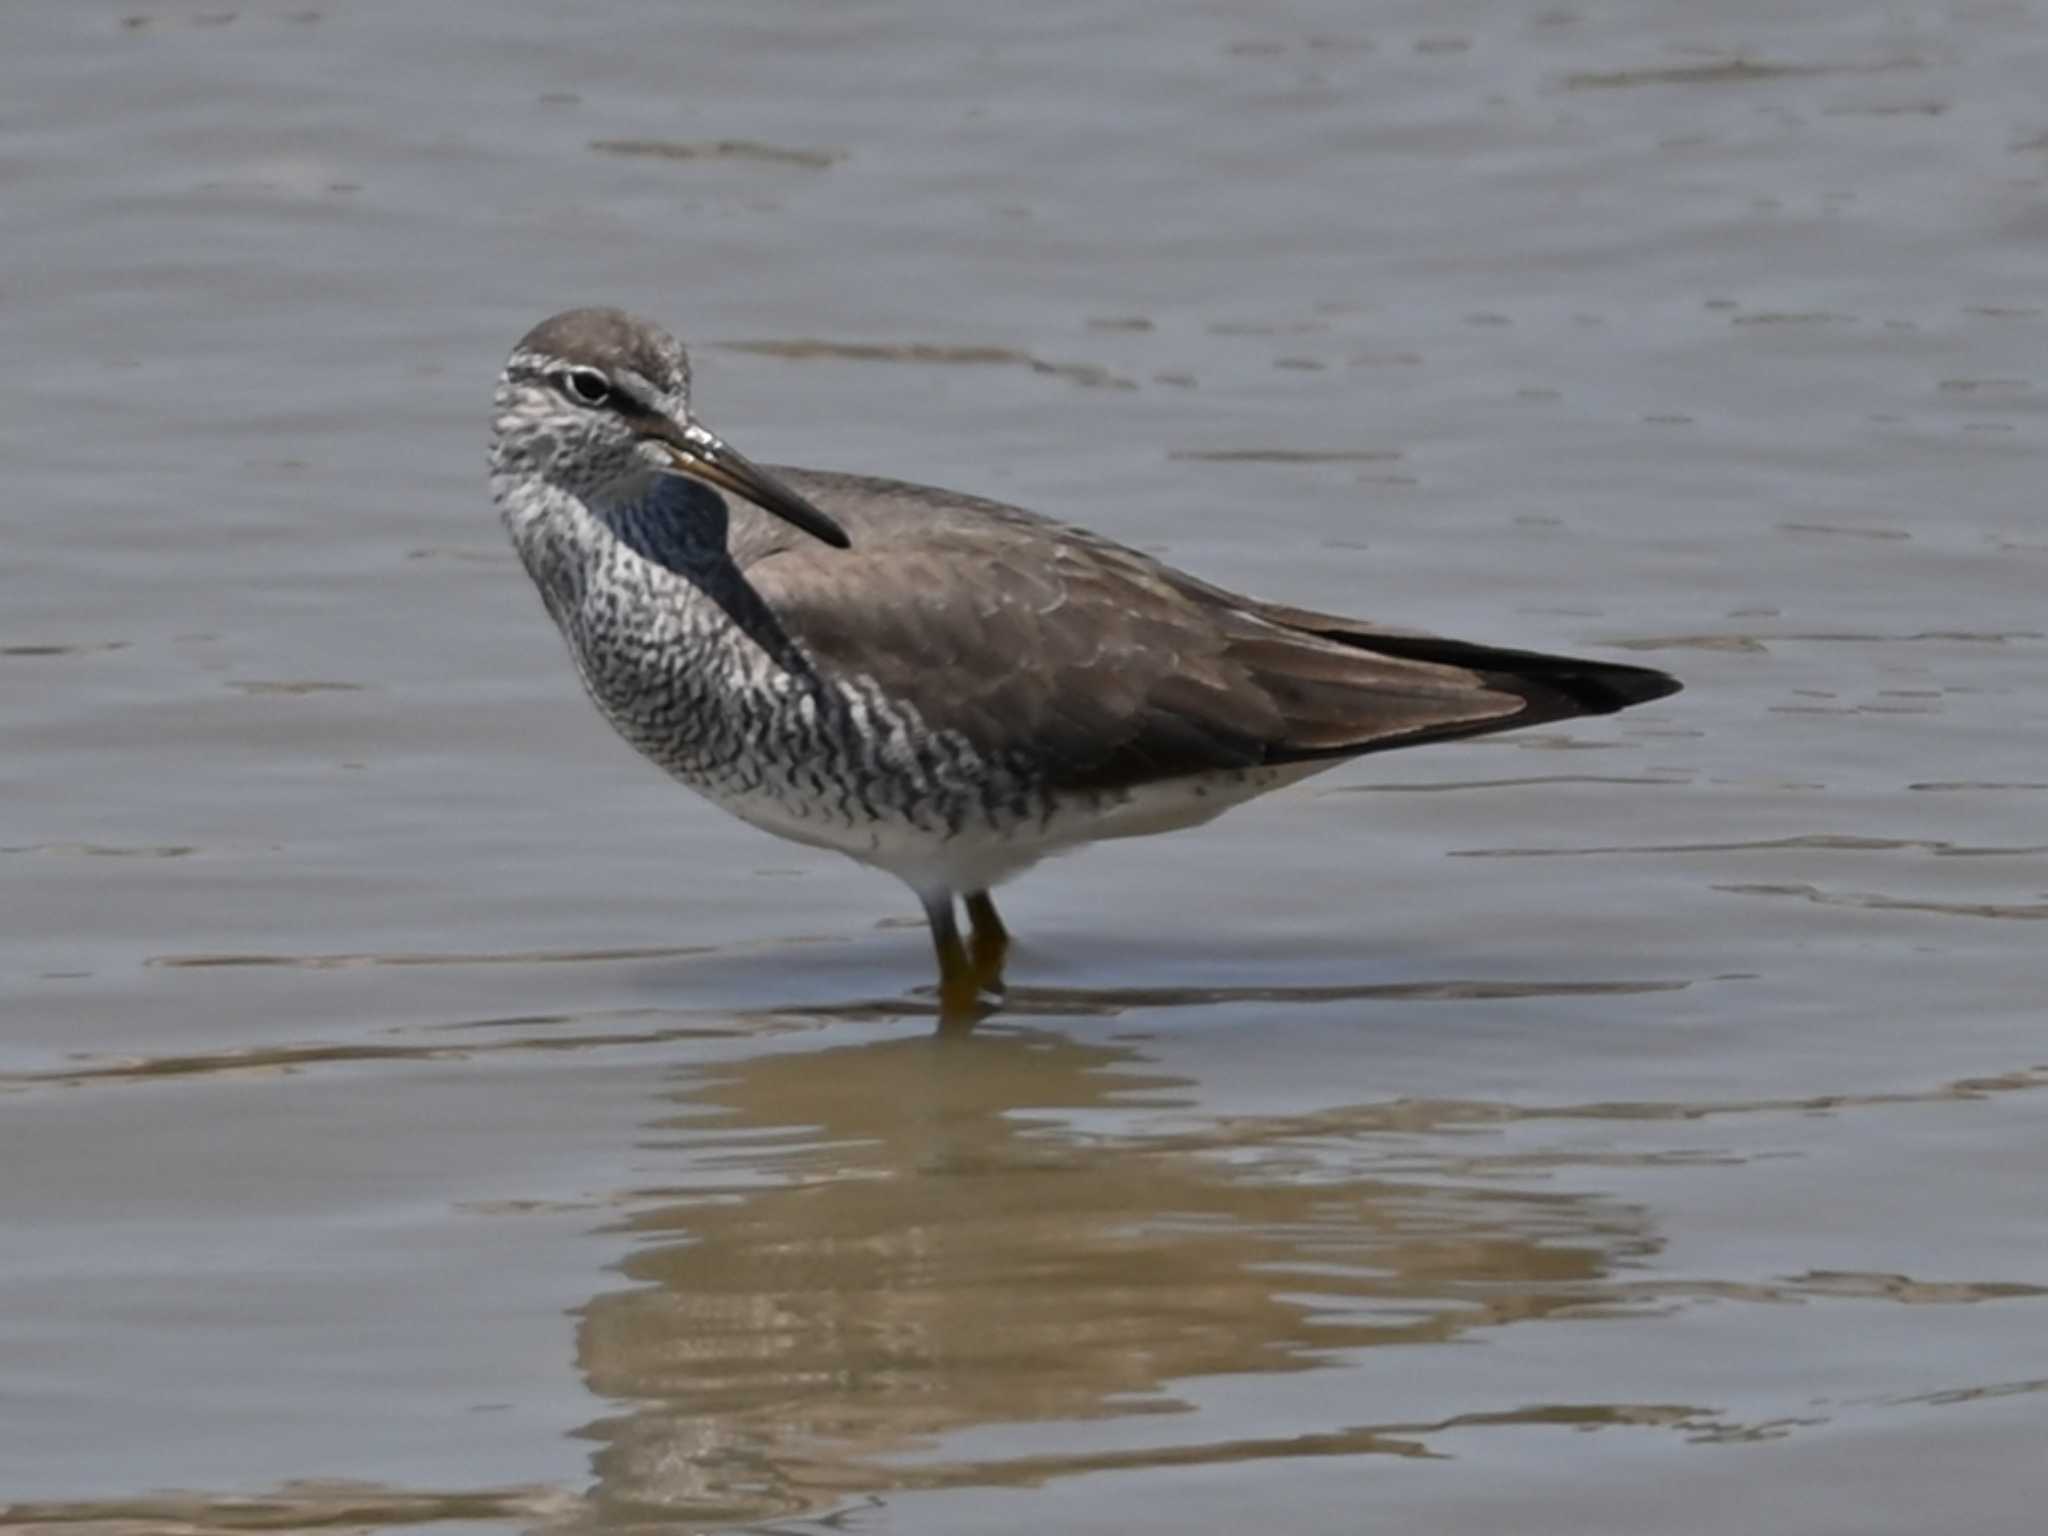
pixel 415 1110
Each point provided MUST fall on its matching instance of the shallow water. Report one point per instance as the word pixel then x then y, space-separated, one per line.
pixel 413 1109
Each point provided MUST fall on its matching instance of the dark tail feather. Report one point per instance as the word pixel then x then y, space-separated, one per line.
pixel 1556 687
pixel 1567 685
pixel 1389 688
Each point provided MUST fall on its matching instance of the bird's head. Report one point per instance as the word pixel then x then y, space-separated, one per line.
pixel 592 399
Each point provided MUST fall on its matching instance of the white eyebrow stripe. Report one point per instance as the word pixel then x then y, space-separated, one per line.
pixel 638 388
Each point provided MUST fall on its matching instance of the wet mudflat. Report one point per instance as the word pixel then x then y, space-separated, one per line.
pixel 413 1110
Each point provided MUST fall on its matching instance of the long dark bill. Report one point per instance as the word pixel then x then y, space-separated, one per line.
pixel 705 456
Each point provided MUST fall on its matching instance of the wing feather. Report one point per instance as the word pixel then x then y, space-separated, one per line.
pixel 1109 668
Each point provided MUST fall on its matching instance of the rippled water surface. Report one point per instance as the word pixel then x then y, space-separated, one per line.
pixel 413 1109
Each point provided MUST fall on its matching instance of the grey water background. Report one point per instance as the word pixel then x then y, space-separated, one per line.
pixel 415 1110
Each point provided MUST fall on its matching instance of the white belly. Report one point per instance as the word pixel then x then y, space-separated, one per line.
pixel 978 858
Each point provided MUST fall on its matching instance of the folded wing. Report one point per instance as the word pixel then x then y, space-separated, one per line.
pixel 1105 668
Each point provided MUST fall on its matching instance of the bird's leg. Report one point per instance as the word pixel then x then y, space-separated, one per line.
pixel 990 946
pixel 959 986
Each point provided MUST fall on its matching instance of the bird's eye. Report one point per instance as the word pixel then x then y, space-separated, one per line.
pixel 588 385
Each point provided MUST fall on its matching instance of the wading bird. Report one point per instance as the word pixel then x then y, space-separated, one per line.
pixel 943 687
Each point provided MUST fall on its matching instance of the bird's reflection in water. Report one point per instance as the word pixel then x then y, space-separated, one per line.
pixel 920 1236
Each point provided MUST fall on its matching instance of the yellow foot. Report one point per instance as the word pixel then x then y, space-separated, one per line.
pixel 965 971
pixel 989 946
pixel 960 1003
pixel 960 978
pixel 987 959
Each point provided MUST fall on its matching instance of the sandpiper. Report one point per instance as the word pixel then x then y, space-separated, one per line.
pixel 943 687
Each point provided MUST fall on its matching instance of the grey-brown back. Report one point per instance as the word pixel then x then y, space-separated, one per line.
pixel 1103 667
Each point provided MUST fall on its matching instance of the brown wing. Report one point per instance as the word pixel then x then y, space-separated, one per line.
pixel 1110 668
